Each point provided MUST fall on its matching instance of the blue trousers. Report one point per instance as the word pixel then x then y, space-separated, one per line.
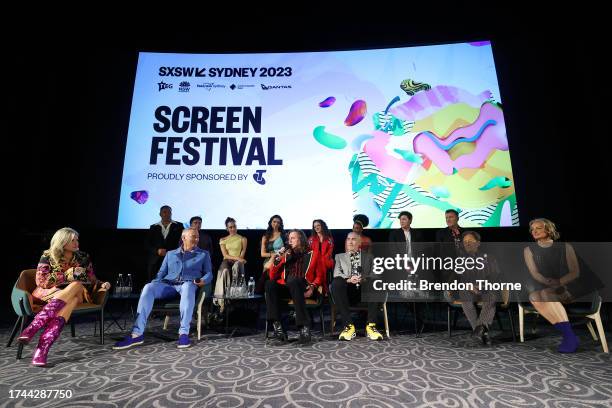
pixel 161 290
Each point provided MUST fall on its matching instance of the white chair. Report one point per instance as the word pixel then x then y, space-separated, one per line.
pixel 591 312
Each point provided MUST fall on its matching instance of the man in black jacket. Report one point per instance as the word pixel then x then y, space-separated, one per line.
pixel 163 236
pixel 449 240
pixel 205 241
pixel 405 234
pixel 452 233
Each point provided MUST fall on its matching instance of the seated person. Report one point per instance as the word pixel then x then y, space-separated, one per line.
pixel 480 323
pixel 351 267
pixel 182 271
pixel 271 244
pixel 293 274
pixel 555 270
pixel 233 249
pixel 61 276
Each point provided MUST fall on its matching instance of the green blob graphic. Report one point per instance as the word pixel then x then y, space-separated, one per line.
pixel 409 156
pixel 502 182
pixel 327 139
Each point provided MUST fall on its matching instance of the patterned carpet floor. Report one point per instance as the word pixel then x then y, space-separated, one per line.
pixel 405 371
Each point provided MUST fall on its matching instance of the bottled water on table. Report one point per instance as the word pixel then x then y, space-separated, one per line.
pixel 251 288
pixel 119 286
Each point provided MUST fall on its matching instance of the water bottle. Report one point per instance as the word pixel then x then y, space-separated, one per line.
pixel 234 285
pixel 128 286
pixel 119 286
pixel 242 289
pixel 251 287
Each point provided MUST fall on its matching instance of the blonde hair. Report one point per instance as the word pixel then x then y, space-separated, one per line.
pixel 60 239
pixel 549 227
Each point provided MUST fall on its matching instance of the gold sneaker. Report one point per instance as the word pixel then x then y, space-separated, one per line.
pixel 348 333
pixel 372 332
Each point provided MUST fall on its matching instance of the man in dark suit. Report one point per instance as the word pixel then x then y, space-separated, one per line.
pixel 351 267
pixel 205 242
pixel 163 236
pixel 449 240
pixel 405 234
pixel 452 233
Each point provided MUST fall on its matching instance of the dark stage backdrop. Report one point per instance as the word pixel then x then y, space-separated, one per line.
pixel 69 117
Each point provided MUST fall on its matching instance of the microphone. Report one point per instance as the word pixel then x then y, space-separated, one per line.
pixel 280 252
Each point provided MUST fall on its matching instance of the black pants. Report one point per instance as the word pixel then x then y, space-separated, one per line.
pixel 294 288
pixel 346 294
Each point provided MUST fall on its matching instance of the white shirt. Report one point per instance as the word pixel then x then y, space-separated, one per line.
pixel 165 229
pixel 408 237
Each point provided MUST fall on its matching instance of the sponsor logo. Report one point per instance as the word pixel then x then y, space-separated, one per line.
pixel 162 85
pixel 184 86
pixel 270 87
pixel 258 177
pixel 209 86
pixel 234 86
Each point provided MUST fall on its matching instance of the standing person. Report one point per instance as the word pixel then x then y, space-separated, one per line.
pixel 271 244
pixel 293 274
pixel 405 234
pixel 452 232
pixel 554 268
pixel 61 276
pixel 360 221
pixel 163 236
pixel 351 268
pixel 183 270
pixel 321 243
pixel 449 241
pixel 205 241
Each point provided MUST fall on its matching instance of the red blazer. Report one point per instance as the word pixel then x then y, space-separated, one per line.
pixel 312 276
pixel 324 256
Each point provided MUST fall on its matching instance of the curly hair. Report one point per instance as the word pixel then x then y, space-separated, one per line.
pixel 303 247
pixel 324 228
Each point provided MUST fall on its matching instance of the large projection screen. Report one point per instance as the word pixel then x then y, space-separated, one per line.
pixel 319 135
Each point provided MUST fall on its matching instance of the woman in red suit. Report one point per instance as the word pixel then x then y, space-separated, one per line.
pixel 321 244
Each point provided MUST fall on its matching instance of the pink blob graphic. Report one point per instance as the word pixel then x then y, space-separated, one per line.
pixel 480 43
pixel 391 167
pixel 357 113
pixel 140 197
pixel 327 102
pixel 493 138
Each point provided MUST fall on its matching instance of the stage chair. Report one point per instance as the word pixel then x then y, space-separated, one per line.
pixel 311 304
pixel 591 312
pixel 171 307
pixel 505 304
pixel 25 308
pixel 358 307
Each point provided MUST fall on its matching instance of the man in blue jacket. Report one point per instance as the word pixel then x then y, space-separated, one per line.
pixel 182 271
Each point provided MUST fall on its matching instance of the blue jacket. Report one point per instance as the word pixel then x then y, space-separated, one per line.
pixel 185 266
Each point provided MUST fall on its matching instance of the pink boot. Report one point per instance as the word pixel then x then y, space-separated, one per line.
pixel 47 338
pixel 40 320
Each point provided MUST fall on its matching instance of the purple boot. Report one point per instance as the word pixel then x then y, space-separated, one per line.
pixel 40 320
pixel 47 338
pixel 570 341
